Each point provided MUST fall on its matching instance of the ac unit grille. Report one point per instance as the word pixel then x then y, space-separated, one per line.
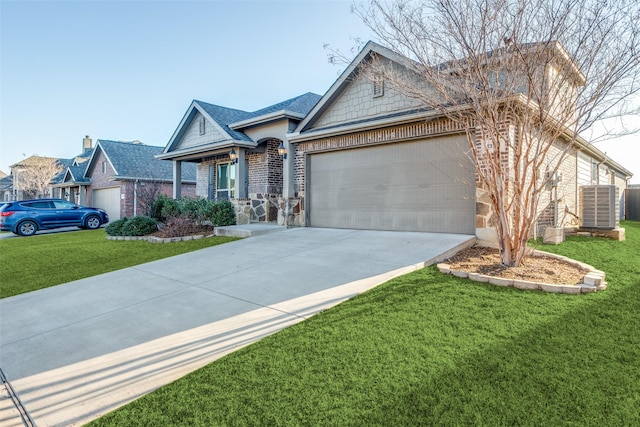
pixel 599 208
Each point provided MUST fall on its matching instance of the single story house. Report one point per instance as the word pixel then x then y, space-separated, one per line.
pixel 236 154
pixel 362 156
pixel 120 177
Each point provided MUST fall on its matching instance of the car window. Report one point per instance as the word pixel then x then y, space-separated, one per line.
pixel 38 205
pixel 61 204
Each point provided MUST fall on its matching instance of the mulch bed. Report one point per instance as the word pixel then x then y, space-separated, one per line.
pixel 534 268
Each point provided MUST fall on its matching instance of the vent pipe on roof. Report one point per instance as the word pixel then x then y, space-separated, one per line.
pixel 87 144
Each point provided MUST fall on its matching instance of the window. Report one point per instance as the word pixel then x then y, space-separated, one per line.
pixel 594 172
pixel 225 180
pixel 203 128
pixel 62 204
pixel 378 85
pixel 38 205
pixel 104 166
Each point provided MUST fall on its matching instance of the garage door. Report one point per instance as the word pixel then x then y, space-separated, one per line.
pixel 425 185
pixel 109 200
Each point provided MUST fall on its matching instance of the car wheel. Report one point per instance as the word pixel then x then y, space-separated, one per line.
pixel 27 228
pixel 92 222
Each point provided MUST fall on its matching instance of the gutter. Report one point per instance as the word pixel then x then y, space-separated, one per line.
pixel 137 179
pixel 198 150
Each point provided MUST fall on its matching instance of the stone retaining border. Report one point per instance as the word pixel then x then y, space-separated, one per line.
pixel 154 239
pixel 593 280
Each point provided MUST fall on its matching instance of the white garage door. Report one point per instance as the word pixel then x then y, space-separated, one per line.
pixel 109 200
pixel 425 185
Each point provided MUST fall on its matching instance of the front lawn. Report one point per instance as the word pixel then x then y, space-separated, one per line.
pixel 36 262
pixel 430 349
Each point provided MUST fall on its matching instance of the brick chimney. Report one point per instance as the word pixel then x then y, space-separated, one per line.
pixel 87 144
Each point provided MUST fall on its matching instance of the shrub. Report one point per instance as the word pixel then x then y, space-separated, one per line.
pixel 199 210
pixel 156 207
pixel 171 208
pixel 115 228
pixel 139 226
pixel 179 226
pixel 223 213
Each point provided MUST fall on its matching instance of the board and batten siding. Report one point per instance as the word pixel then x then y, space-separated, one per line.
pixel 192 136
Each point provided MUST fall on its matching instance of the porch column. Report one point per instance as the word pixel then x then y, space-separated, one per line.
pixel 285 210
pixel 288 169
pixel 240 189
pixel 177 179
pixel 82 195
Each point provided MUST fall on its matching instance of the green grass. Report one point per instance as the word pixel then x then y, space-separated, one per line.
pixel 31 263
pixel 429 349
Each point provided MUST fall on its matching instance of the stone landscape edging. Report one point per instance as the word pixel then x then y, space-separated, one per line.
pixel 593 280
pixel 155 239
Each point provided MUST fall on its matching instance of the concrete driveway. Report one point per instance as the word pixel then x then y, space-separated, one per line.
pixel 76 351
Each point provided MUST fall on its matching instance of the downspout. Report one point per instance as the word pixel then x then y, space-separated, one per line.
pixel 135 197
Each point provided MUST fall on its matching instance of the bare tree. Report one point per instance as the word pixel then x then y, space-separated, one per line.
pixel 148 193
pixel 34 175
pixel 523 79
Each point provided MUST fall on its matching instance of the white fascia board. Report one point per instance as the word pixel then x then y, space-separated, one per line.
pixel 180 126
pixel 201 149
pixel 595 153
pixel 266 118
pixel 133 178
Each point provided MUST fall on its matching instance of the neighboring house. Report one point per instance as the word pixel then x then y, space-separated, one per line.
pixel 32 177
pixel 364 157
pixel 253 180
pixel 120 177
pixel 6 188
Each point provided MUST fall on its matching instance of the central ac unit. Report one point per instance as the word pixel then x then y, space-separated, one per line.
pixel 599 206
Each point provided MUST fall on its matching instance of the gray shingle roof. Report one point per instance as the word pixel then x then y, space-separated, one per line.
pixel 136 160
pixel 225 116
pixel 300 104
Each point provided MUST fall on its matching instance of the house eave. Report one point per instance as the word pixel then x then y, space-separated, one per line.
pixel 200 150
pixel 71 184
pixel 137 178
pixel 266 118
pixel 588 148
pixel 297 137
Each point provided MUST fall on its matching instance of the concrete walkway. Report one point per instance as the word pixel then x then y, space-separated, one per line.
pixel 76 351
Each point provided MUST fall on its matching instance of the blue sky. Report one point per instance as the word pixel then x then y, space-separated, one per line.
pixel 126 70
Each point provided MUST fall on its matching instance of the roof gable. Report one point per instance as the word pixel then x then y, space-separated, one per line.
pixel 134 160
pixel 217 120
pixel 351 97
pixel 223 126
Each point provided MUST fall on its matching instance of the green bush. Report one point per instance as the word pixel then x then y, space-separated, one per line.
pixel 156 207
pixel 115 228
pixel 139 226
pixel 171 208
pixel 223 213
pixel 198 210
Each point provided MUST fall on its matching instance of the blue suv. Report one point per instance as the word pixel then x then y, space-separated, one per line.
pixel 26 217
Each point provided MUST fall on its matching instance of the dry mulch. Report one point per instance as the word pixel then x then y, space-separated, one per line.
pixel 541 269
pixel 192 230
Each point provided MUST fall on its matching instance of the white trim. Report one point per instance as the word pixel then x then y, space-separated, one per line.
pixel 266 118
